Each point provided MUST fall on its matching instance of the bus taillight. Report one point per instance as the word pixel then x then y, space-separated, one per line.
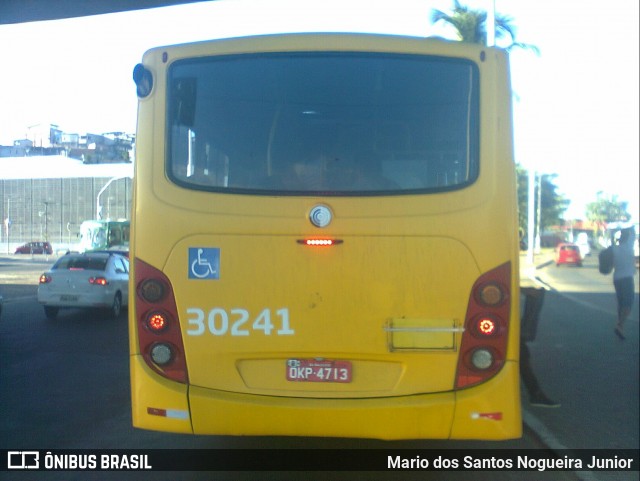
pixel 486 326
pixel 157 321
pixel 152 290
pixel 162 353
pixel 159 336
pixel 483 349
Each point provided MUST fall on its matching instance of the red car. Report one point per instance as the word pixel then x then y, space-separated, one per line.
pixel 38 247
pixel 567 253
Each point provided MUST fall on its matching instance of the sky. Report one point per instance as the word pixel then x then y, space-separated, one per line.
pixel 576 104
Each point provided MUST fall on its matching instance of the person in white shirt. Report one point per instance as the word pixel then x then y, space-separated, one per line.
pixel 624 266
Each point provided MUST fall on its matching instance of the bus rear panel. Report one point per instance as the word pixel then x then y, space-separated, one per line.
pixel 339 256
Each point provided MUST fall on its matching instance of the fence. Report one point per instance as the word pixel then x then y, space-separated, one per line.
pixel 53 209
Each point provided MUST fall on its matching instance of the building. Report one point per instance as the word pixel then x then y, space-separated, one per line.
pixel 48 139
pixel 44 135
pixel 48 197
pixel 20 148
pixel 96 149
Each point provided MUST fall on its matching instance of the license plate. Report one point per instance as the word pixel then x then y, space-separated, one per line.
pixel 313 370
pixel 69 298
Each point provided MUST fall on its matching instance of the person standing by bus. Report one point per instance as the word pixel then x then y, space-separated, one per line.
pixel 624 266
pixel 534 299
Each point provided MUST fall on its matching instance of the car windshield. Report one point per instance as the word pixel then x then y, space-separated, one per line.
pixel 81 263
pixel 323 124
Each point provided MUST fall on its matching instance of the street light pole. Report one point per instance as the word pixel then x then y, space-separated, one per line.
pixel 531 215
pixel 539 215
pixel 7 222
pixel 491 24
pixel 46 220
pixel 98 206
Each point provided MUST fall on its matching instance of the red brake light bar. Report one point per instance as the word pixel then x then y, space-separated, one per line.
pixel 315 242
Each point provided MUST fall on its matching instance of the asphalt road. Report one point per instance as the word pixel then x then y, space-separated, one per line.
pixel 583 365
pixel 65 385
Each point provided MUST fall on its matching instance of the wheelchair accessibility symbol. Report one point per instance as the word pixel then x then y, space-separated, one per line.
pixel 204 263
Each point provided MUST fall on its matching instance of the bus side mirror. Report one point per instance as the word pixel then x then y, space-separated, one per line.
pixel 183 101
pixel 143 80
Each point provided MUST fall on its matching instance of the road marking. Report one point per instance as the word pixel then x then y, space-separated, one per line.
pixel 553 443
pixel 596 307
pixel 11 300
pixel 530 273
pixel 608 312
pixel 544 434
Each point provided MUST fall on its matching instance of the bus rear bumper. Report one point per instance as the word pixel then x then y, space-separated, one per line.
pixel 492 410
pixel 487 411
pixel 407 417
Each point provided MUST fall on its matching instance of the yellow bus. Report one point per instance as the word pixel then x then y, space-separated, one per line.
pixel 324 239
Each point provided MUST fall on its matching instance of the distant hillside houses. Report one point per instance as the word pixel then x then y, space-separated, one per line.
pixel 48 139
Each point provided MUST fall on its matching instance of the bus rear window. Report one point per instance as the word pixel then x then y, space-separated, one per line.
pixel 323 124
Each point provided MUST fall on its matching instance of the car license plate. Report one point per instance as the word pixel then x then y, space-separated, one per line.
pixel 69 298
pixel 314 370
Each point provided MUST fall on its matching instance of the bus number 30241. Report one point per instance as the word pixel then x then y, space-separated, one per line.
pixel 238 322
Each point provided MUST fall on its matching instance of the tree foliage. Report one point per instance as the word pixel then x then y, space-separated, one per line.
pixel 607 208
pixel 471 26
pixel 552 204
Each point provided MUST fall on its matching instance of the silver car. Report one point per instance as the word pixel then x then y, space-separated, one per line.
pixel 89 280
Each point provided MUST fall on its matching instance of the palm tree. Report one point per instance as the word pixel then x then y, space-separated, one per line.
pixel 471 25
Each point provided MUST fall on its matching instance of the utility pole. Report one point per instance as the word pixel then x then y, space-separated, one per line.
pixel 98 206
pixel 491 24
pixel 531 215
pixel 539 215
pixel 7 222
pixel 46 219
